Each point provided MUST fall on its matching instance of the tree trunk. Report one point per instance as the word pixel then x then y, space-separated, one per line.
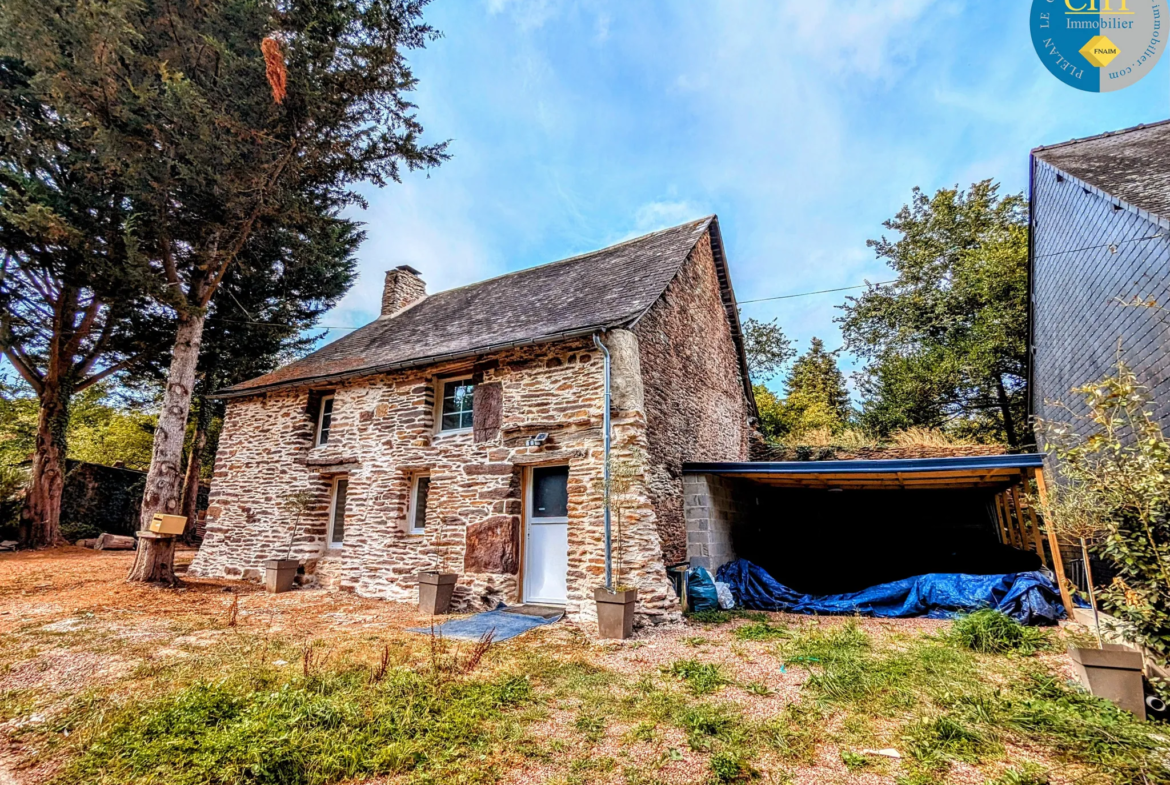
pixel 40 519
pixel 1009 425
pixel 155 560
pixel 164 480
pixel 190 508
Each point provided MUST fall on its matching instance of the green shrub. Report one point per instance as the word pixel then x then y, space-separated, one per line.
pixel 988 631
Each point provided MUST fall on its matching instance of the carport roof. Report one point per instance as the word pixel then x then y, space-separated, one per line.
pixel 984 471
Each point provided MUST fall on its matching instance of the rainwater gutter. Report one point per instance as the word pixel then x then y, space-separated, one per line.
pixel 605 470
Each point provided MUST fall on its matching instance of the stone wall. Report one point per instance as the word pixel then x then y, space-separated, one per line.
pixel 714 505
pixel 383 434
pixel 694 395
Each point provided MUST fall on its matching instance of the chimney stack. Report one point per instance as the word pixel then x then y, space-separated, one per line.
pixel 403 288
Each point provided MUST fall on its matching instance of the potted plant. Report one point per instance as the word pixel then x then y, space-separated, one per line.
pixel 437 586
pixel 280 574
pixel 616 602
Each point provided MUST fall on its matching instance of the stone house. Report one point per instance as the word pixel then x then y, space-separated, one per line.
pixel 1100 250
pixel 464 431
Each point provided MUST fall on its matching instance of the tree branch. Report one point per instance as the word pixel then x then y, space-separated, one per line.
pixel 19 361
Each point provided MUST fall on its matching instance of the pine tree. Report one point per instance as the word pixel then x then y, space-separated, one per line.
pixel 816 396
pixel 74 308
pixel 216 118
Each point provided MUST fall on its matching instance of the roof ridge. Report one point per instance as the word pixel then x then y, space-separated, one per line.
pixel 1106 135
pixel 573 258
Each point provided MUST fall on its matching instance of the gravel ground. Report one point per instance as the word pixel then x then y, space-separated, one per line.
pixel 69 622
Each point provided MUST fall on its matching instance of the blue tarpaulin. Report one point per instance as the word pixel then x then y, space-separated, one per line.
pixel 1028 597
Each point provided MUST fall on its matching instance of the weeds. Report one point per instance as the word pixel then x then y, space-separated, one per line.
pixel 705 722
pixel 1028 774
pixel 988 631
pixel 723 617
pixel 592 728
pixel 313 658
pixel 257 728
pixel 937 741
pixel 731 766
pixel 379 671
pixel 854 761
pixel 701 678
pixel 760 631
pixel 233 615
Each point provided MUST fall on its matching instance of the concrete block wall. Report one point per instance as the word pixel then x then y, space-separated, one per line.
pixel 713 506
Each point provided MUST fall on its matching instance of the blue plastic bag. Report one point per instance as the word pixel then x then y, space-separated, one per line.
pixel 701 593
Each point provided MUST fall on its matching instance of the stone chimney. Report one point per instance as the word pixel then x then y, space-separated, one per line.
pixel 403 288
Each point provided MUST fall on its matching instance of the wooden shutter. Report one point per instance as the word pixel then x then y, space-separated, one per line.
pixel 487 407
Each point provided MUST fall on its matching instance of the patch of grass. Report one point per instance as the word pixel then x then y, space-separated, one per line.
pixel 722 617
pixel 937 741
pixel 643 731
pixel 795 733
pixel 854 761
pixel 256 726
pixel 702 678
pixel 696 641
pixel 756 688
pixel 1080 727
pixel 991 632
pixel 704 722
pixel 731 766
pixel 1028 774
pixel 760 631
pixel 591 727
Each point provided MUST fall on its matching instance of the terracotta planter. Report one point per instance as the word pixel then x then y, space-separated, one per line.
pixel 434 591
pixel 279 574
pixel 615 612
pixel 1113 673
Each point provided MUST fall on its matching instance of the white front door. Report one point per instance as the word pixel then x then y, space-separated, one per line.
pixel 546 552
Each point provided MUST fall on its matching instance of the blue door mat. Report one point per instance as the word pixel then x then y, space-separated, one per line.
pixel 507 623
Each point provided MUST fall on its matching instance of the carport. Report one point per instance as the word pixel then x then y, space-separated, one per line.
pixel 827 527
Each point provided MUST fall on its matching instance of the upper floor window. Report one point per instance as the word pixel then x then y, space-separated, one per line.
pixel 455 412
pixel 324 420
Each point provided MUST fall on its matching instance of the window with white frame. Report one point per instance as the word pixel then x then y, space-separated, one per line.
pixel 416 515
pixel 336 535
pixel 324 420
pixel 455 404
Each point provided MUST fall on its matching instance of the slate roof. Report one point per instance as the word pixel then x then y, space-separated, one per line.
pixel 1132 165
pixel 608 288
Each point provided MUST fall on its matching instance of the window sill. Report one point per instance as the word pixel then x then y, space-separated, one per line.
pixel 458 432
pixel 416 533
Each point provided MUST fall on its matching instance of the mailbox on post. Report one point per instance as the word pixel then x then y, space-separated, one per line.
pixel 167 524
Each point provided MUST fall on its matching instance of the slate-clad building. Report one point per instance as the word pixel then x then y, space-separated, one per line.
pixel 1100 245
pixel 463 431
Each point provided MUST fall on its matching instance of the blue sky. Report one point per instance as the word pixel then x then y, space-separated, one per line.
pixel 804 125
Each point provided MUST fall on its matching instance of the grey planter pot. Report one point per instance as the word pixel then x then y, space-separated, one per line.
pixel 434 591
pixel 279 574
pixel 1113 673
pixel 615 612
